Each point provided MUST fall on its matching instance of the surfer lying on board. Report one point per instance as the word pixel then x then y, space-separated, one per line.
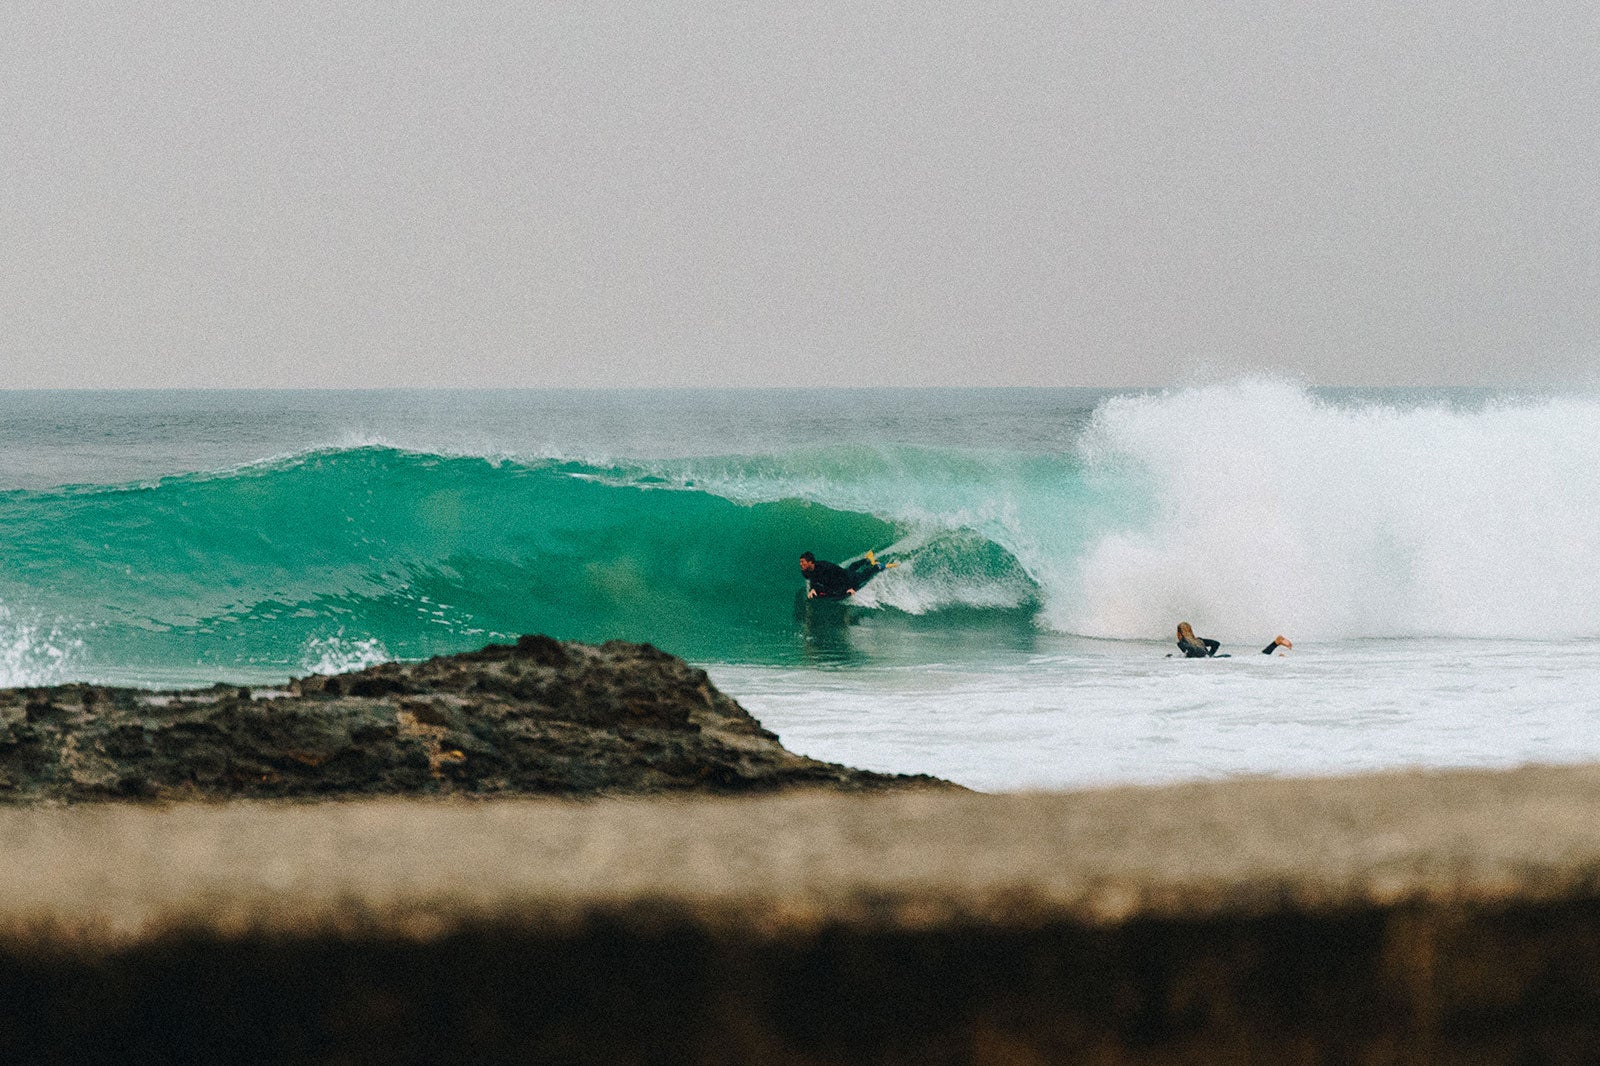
pixel 1194 647
pixel 830 581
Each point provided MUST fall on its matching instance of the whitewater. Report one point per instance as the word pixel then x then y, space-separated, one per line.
pixel 1430 552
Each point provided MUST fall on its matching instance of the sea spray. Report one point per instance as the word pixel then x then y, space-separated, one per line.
pixel 337 653
pixel 1272 510
pixel 33 654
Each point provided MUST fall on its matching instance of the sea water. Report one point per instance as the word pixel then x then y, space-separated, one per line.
pixel 1433 554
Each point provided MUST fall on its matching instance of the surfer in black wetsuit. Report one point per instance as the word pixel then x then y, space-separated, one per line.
pixel 1194 647
pixel 830 581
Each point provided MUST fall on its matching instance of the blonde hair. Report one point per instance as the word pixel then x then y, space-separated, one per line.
pixel 1186 634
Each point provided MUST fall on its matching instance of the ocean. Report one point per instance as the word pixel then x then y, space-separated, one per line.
pixel 1434 555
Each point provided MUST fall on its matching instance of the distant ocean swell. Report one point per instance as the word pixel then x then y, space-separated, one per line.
pixel 1246 509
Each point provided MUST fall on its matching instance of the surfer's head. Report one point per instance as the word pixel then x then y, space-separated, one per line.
pixel 808 562
pixel 1186 634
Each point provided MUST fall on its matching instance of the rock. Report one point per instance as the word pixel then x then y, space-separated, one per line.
pixel 539 717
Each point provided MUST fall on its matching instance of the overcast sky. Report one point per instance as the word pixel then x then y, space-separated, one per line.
pixel 1041 192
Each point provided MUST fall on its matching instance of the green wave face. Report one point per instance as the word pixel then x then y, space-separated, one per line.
pixel 327 557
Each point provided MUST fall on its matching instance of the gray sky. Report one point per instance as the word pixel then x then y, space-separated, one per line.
pixel 490 192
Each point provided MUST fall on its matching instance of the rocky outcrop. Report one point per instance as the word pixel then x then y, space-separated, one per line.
pixel 540 717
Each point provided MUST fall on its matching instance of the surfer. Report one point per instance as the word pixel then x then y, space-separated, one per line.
pixel 1194 647
pixel 830 581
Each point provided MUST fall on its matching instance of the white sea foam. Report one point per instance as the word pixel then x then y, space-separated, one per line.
pixel 929 576
pixel 1088 712
pixel 1273 511
pixel 339 654
pixel 33 653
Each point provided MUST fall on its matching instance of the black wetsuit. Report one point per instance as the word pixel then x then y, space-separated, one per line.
pixel 1209 648
pixel 830 581
pixel 1199 651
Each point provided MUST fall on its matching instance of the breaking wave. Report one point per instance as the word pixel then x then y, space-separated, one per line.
pixel 1245 508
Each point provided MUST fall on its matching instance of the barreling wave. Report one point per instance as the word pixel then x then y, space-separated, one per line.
pixel 1246 509
pixel 338 557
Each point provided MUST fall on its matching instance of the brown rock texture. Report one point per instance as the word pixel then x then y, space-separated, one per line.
pixel 1390 919
pixel 538 717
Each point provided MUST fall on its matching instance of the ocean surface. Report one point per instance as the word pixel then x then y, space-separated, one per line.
pixel 1433 554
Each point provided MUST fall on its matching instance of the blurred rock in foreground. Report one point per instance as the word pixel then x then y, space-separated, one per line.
pixel 1396 918
pixel 540 717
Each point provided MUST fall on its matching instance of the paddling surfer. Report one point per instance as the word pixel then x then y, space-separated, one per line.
pixel 1194 647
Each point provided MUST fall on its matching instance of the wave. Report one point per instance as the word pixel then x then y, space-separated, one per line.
pixel 1250 508
pixel 1247 508
pixel 335 556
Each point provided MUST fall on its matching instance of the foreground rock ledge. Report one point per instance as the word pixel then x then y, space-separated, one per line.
pixel 540 717
pixel 1397 918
